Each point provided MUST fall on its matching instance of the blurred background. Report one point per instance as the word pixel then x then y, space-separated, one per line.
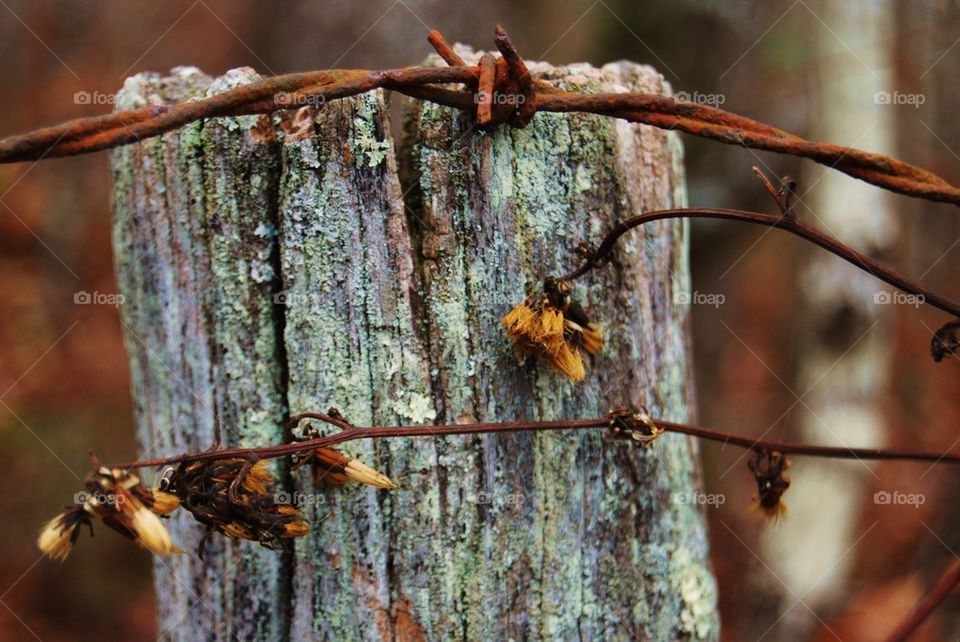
pixel 790 343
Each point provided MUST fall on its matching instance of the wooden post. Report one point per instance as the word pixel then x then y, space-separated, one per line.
pixel 285 264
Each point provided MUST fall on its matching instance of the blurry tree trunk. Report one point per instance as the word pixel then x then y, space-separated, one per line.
pixel 926 63
pixel 388 298
pixel 842 359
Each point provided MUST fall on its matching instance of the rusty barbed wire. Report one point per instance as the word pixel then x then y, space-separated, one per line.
pixel 506 74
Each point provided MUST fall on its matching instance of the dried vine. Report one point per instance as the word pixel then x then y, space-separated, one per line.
pixel 230 490
pixel 787 221
pixel 551 326
pixel 944 586
pixel 352 433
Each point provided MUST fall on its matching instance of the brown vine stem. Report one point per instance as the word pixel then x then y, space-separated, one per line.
pixel 941 590
pixel 290 91
pixel 787 223
pixel 351 433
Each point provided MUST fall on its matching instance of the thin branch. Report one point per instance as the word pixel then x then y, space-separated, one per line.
pixel 87 135
pixel 787 223
pixel 350 433
pixel 941 590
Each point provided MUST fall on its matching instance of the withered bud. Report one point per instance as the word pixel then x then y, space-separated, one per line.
pixel 330 466
pixel 768 468
pixel 163 498
pixel 164 503
pixel 550 326
pixel 149 530
pixel 237 499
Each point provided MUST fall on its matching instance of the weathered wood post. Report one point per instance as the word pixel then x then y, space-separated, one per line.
pixel 276 265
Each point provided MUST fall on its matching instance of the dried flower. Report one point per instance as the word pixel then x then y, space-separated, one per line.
pixel 236 497
pixel 768 468
pixel 330 466
pixel 551 326
pixel 118 499
pixel 58 536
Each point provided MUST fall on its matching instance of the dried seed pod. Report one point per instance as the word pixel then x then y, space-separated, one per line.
pixel 768 468
pixel 946 341
pixel 551 326
pixel 236 497
pixel 637 426
pixel 330 466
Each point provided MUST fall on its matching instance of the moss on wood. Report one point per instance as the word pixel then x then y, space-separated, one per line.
pixel 281 264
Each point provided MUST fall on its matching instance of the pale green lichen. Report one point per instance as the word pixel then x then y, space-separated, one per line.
pixel 583 178
pixel 416 409
pixel 365 137
pixel 535 185
pixel 698 589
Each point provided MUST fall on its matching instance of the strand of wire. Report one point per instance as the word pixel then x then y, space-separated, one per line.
pixel 506 75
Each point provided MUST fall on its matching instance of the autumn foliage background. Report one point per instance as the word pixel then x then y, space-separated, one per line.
pixel 848 568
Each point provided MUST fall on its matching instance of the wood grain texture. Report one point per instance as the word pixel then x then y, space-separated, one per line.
pixel 295 267
pixel 195 241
